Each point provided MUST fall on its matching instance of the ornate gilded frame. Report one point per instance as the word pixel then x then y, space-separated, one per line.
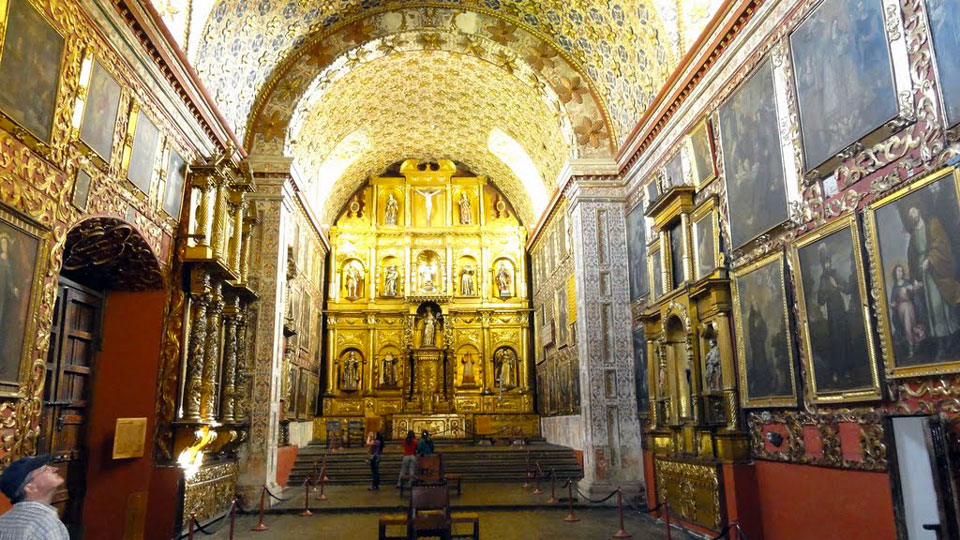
pixel 17 389
pixel 705 125
pixel 90 60
pixel 133 119
pixel 872 393
pixel 777 401
pixel 878 279
pixel 7 123
pixel 652 252
pixel 708 210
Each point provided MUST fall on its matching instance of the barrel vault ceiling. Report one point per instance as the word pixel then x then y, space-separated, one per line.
pixel 514 89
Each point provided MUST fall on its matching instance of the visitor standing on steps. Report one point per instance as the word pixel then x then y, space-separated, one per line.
pixel 376 452
pixel 408 467
pixel 425 446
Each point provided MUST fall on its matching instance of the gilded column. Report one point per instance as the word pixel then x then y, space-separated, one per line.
pixel 227 408
pixel 242 381
pixel 203 215
pixel 199 300
pixel 235 212
pixel 208 388
pixel 219 219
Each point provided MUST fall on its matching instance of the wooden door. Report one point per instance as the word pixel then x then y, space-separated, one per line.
pixel 74 342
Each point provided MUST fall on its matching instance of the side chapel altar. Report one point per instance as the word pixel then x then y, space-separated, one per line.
pixel 428 310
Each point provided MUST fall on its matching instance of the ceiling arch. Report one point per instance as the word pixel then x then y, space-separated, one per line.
pixel 617 44
pixel 442 105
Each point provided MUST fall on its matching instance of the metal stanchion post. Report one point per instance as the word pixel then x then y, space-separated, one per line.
pixel 233 517
pixel 666 516
pixel 323 469
pixel 537 491
pixel 306 500
pixel 260 526
pixel 526 472
pixel 622 533
pixel 193 519
pixel 553 487
pixel 316 474
pixel 570 517
pixel 321 496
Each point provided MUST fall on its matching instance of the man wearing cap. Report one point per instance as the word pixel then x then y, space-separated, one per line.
pixel 30 484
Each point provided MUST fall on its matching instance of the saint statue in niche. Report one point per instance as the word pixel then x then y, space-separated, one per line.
pixel 390 281
pixel 388 370
pixel 467 287
pixel 469 371
pixel 506 366
pixel 428 337
pixel 354 282
pixel 503 280
pixel 428 276
pixel 466 212
pixel 713 365
pixel 390 211
pixel 350 373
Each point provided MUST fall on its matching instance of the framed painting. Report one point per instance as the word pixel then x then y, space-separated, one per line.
pixel 700 144
pixel 21 247
pixel 303 394
pixel 835 328
pixel 844 75
pixel 173 187
pixel 290 389
pixel 656 270
pixel 706 242
pixel 752 158
pixel 143 153
pixel 945 28
pixel 637 253
pixel 30 60
pixel 100 113
pixel 640 368
pixel 764 344
pixel 81 190
pixel 653 191
pixel 677 258
pixel 673 171
pixel 914 244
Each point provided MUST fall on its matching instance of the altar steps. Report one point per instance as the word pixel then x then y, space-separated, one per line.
pixel 474 463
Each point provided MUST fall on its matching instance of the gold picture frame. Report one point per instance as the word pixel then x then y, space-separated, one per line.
pixel 885 256
pixel 701 132
pixel 105 92
pixel 708 212
pixel 13 223
pixel 839 280
pixel 656 272
pixel 782 390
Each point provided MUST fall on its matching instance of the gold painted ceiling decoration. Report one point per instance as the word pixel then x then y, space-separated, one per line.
pixel 426 105
pixel 617 44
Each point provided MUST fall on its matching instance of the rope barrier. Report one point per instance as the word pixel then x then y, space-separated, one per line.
pixel 280 499
pixel 598 501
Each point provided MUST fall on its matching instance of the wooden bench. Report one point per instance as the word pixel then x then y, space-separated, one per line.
pixel 397 520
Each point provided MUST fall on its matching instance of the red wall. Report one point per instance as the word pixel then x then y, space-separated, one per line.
pixel 286 457
pixel 798 502
pixel 125 385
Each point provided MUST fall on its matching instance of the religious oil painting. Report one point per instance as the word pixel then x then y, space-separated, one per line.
pixel 656 272
pixel 677 249
pixel 173 190
pixel 701 154
pixel 30 69
pixel 653 190
pixel 640 368
pixel 844 76
pixel 100 112
pixel 764 345
pixel 81 190
pixel 753 163
pixel 637 253
pixel 914 250
pixel 20 245
pixel 945 27
pixel 705 241
pixel 673 172
pixel 832 299
pixel 144 154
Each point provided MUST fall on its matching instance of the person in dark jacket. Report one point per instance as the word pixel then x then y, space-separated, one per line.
pixel 376 453
pixel 425 446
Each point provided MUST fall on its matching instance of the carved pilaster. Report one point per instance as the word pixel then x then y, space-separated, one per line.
pixel 204 213
pixel 242 382
pixel 218 227
pixel 228 406
pixel 248 224
pixel 199 300
pixel 208 388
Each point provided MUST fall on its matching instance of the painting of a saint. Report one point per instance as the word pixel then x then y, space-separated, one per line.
pixel 704 235
pixel 673 172
pixel 677 266
pixel 30 69
pixel 81 190
pixel 844 76
pixel 656 268
pixel 753 163
pixel 764 344
pixel 918 233
pixel 173 190
pixel 637 253
pixel 653 190
pixel 832 294
pixel 18 257
pixel 701 150
pixel 100 112
pixel 945 27
pixel 144 153
pixel 640 368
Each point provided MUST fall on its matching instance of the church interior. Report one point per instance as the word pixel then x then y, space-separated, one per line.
pixel 699 256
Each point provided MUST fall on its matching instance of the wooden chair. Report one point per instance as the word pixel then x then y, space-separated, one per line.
pixel 429 469
pixel 429 512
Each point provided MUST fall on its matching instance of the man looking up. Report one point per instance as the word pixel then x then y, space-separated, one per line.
pixel 30 484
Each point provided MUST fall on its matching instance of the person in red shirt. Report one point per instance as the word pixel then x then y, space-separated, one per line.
pixel 408 467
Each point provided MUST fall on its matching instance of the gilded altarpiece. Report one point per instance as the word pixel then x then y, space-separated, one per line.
pixel 427 308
